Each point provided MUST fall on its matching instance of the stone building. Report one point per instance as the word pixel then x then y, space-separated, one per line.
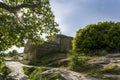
pixel 59 44
pixel 65 42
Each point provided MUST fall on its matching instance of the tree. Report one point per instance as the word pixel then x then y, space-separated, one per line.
pixel 103 36
pixel 12 53
pixel 25 19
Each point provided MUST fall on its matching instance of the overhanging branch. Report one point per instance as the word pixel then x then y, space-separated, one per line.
pixel 4 6
pixel 18 7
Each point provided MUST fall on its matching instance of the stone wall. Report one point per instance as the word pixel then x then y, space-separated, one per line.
pixel 65 42
pixel 30 51
pixel 47 48
pixel 60 43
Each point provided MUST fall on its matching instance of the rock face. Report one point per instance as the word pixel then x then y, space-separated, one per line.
pixel 60 43
pixel 17 72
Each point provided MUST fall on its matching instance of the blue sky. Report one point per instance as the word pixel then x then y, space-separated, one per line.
pixel 72 15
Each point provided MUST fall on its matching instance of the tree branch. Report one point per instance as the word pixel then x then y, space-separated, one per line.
pixel 18 7
pixel 6 7
pixel 24 6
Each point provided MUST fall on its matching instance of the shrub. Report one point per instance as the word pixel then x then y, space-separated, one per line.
pixel 78 63
pixel 12 53
pixel 95 37
pixel 98 53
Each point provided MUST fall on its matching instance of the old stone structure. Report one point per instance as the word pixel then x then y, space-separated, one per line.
pixel 59 44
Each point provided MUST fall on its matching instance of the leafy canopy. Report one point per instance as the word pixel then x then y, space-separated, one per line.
pixel 25 19
pixel 97 37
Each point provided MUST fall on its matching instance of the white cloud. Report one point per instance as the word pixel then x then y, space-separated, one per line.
pixel 61 11
pixel 20 50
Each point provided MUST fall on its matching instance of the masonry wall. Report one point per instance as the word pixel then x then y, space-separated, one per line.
pixel 59 44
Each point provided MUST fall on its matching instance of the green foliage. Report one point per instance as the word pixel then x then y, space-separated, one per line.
pixel 103 36
pixel 2 54
pixel 3 69
pixel 30 22
pixel 96 52
pixel 27 70
pixel 79 63
pixel 2 64
pixel 12 53
pixel 111 69
pixel 56 76
pixel 35 74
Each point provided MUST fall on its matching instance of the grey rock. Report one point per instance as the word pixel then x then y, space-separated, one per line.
pixel 113 55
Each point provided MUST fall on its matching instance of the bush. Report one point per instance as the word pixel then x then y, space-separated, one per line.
pixel 97 52
pixel 79 63
pixel 12 53
pixel 2 54
pixel 95 37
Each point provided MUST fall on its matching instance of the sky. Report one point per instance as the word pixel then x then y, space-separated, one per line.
pixel 72 15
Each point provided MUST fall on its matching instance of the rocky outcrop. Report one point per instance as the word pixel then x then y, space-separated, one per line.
pixel 59 44
pixel 68 74
pixel 17 72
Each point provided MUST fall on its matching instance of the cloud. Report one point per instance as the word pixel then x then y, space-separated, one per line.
pixel 62 11
pixel 20 50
